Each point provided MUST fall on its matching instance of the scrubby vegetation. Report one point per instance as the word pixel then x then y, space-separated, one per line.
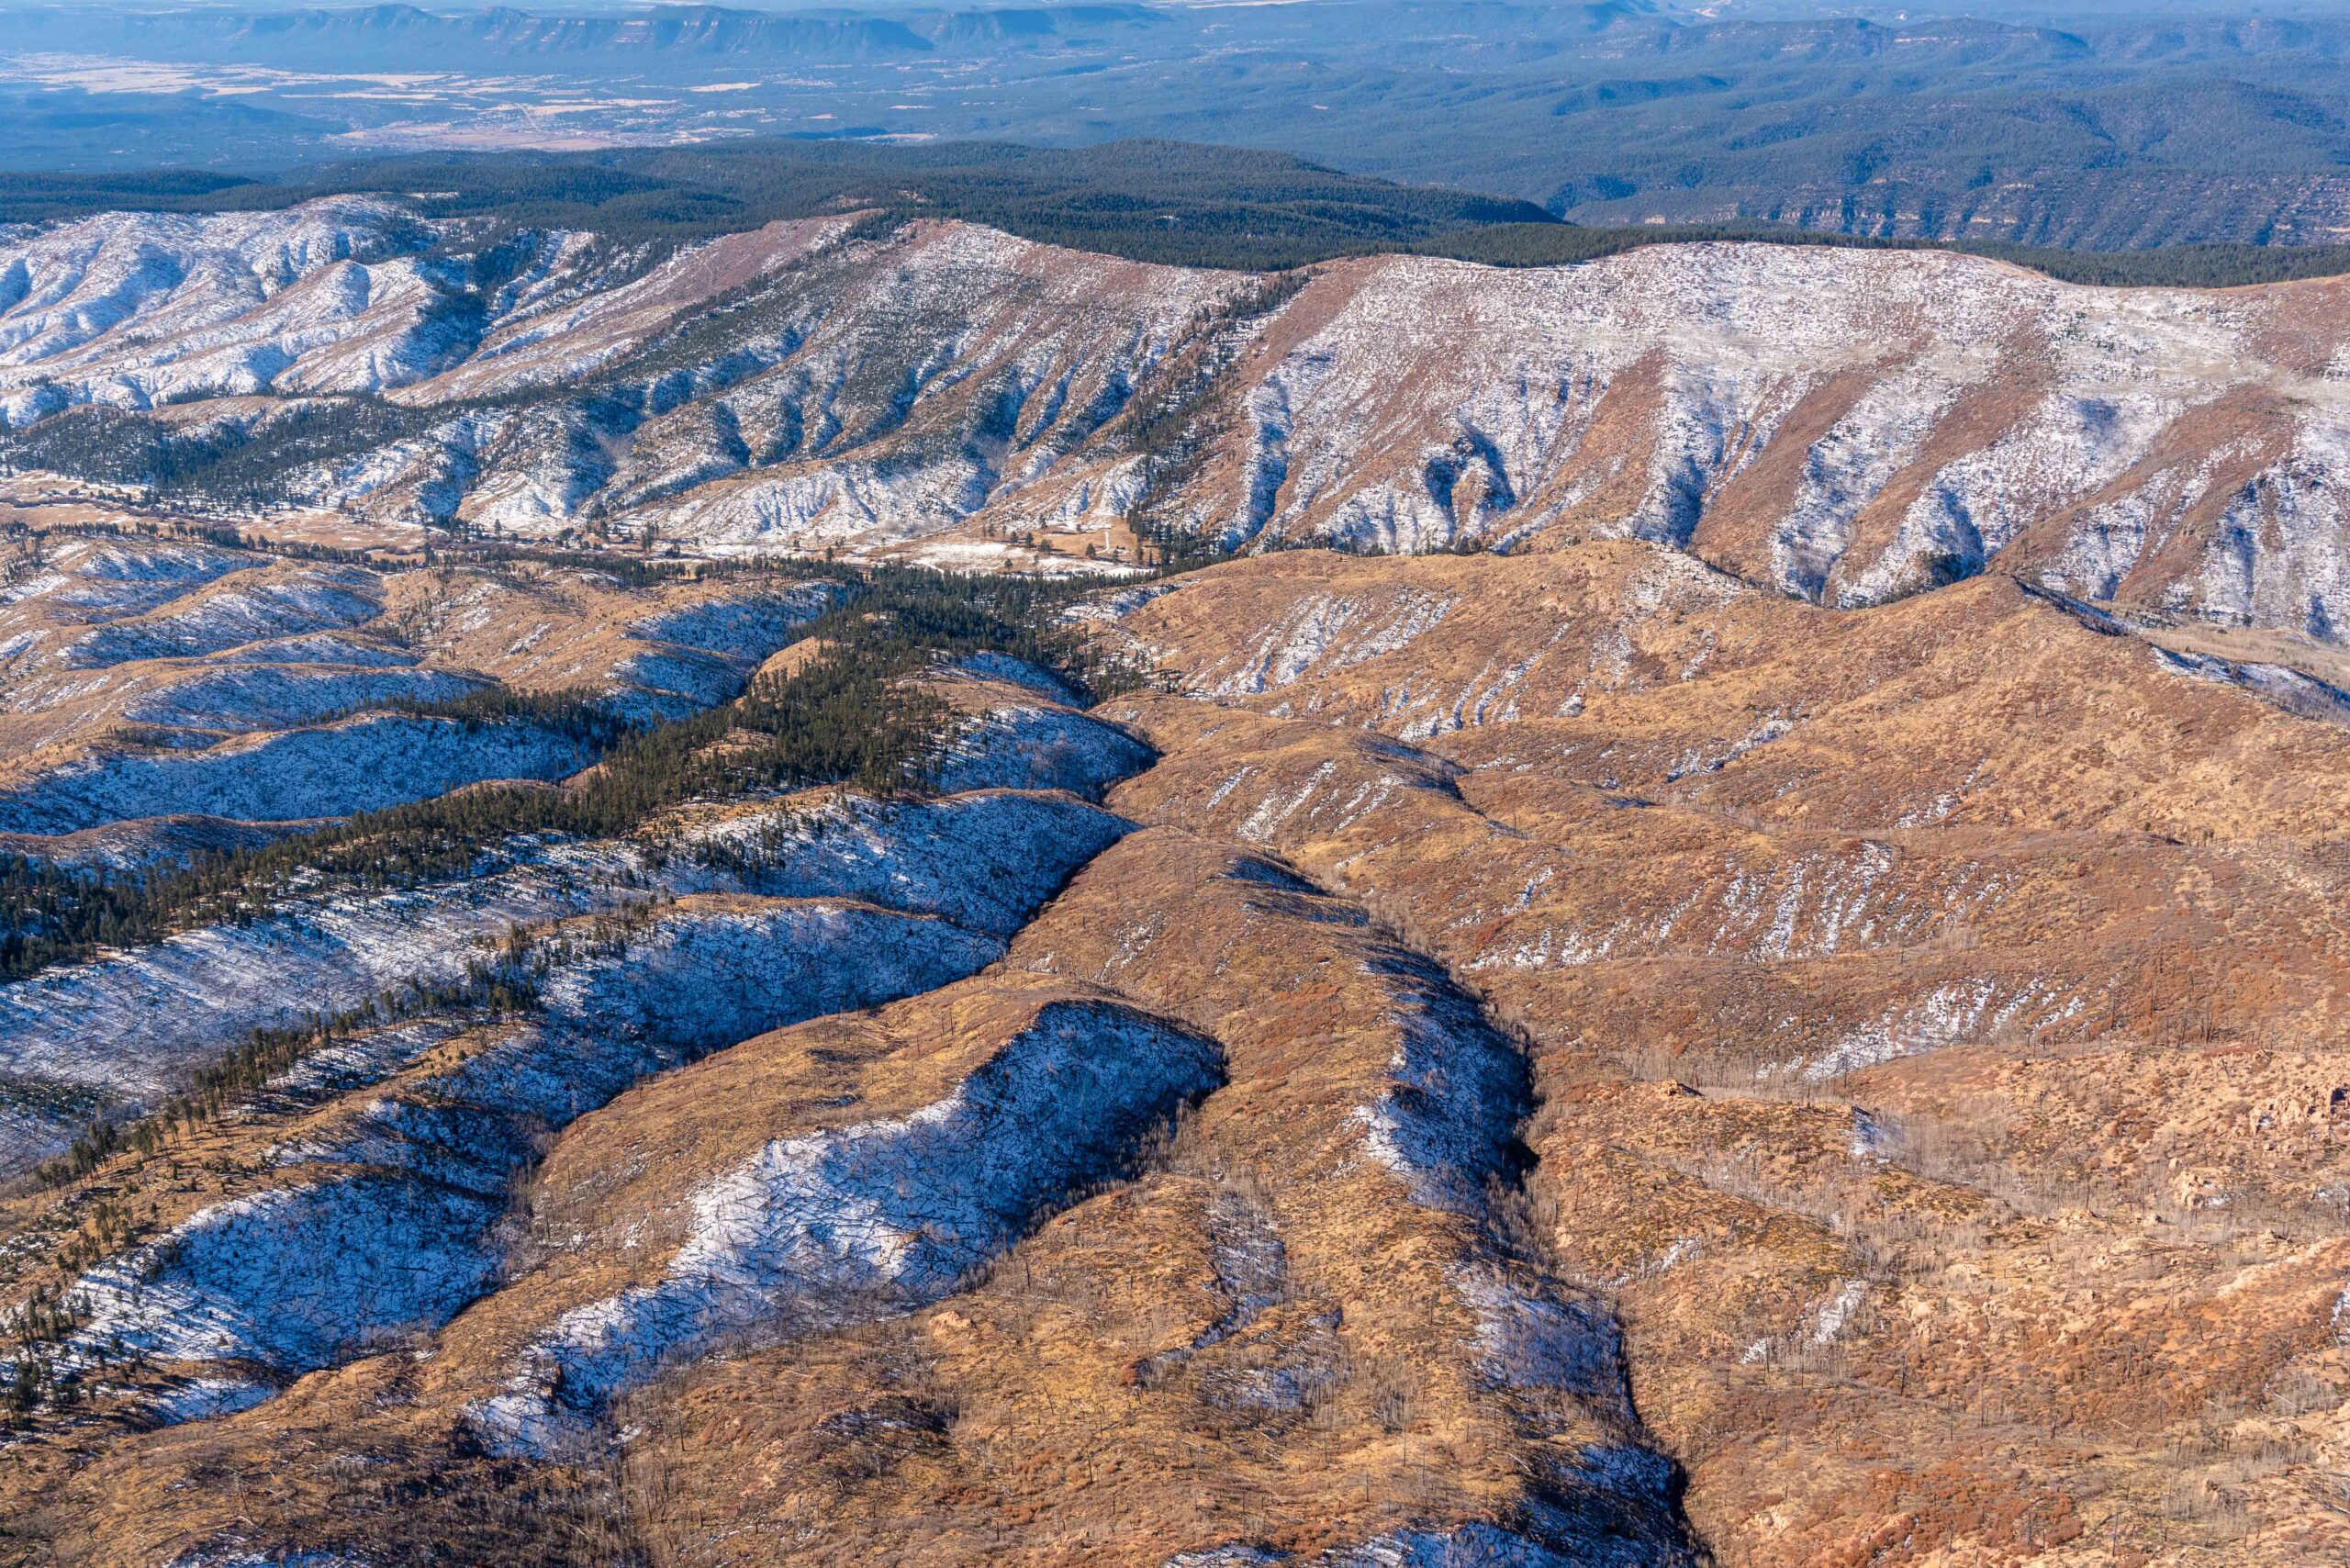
pixel 855 715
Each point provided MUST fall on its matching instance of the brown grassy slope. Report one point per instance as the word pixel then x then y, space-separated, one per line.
pixel 1120 1389
pixel 1266 1338
pixel 1630 667
pixel 1937 858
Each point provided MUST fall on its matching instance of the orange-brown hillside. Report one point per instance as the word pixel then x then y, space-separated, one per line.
pixel 1554 1058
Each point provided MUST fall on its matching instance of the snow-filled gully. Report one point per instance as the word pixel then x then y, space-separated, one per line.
pixel 820 1230
pixel 1446 1126
pixel 389 1230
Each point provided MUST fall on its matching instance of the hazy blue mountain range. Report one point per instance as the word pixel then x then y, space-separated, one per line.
pixel 2092 125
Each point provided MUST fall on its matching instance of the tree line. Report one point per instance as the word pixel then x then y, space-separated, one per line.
pixel 1171 202
pixel 856 715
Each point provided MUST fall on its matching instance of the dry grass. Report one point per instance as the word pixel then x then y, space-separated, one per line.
pixel 2101 1184
pixel 2042 1281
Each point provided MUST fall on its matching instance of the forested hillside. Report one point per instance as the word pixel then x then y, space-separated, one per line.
pixel 1177 203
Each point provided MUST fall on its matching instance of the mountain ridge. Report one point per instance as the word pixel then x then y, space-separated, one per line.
pixel 1848 426
pixel 2105 133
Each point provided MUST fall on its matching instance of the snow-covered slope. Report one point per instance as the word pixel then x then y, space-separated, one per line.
pixel 384 1227
pixel 120 1030
pixel 870 1218
pixel 1019 731
pixel 359 764
pixel 1848 425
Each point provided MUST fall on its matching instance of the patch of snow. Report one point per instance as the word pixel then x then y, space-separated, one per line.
pixel 297 1277
pixel 208 1398
pixel 309 1275
pixel 1830 1321
pixel 984 859
pixel 1870 1139
pixel 248 608
pixel 1325 633
pixel 831 1227
pixel 1020 672
pixel 1528 1339
pixel 358 765
pixel 2288 689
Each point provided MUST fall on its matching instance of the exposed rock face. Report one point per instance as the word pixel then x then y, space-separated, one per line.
pixel 1846 426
